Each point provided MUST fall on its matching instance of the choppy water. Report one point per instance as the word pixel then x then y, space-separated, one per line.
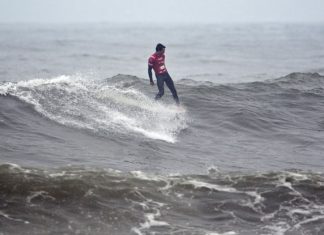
pixel 96 201
pixel 83 153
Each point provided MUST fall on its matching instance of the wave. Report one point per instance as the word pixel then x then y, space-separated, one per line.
pixel 99 106
pixel 123 105
pixel 97 201
pixel 283 105
pixel 301 81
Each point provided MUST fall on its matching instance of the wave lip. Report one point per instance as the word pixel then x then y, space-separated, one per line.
pixel 99 106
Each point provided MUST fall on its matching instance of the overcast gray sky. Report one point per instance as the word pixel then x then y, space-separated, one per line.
pixel 168 11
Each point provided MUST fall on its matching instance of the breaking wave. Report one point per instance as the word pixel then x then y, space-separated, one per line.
pixel 99 106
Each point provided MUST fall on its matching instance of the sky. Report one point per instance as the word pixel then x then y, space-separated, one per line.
pixel 166 11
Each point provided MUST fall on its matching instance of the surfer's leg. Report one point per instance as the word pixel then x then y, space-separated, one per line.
pixel 170 85
pixel 160 85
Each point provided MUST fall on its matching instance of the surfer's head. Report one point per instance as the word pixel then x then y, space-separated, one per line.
pixel 160 48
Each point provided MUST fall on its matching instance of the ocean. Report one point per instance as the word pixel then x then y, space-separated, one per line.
pixel 85 148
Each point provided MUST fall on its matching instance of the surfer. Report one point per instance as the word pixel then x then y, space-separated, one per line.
pixel 156 62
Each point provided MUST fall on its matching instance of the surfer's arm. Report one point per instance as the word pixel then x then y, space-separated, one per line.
pixel 150 74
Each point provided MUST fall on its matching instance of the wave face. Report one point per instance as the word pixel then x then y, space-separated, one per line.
pixel 78 200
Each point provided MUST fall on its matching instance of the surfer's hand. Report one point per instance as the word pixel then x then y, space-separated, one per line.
pixel 151 83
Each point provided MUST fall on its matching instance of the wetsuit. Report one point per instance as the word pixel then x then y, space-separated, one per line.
pixel 156 61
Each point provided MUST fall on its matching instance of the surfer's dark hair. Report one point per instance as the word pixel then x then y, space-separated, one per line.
pixel 159 47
